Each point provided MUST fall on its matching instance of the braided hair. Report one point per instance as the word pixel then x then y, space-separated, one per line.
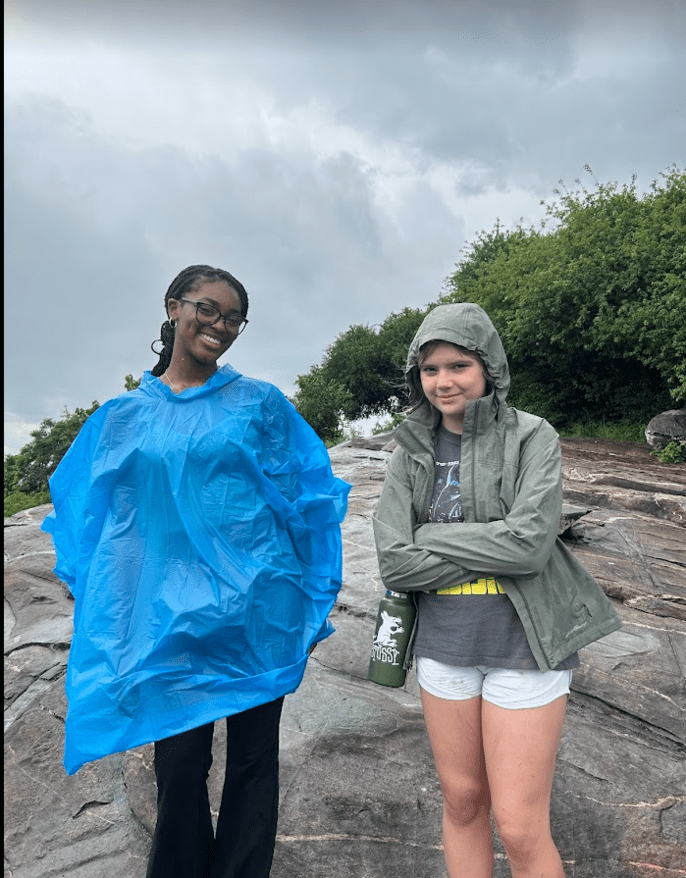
pixel 189 280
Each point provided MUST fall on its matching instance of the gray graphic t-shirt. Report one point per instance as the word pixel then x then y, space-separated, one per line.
pixel 470 623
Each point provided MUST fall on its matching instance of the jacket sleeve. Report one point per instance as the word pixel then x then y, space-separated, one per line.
pixel 520 543
pixel 404 565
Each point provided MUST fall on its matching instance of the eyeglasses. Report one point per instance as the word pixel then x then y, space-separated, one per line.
pixel 208 315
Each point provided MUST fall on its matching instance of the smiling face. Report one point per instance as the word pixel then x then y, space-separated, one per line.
pixel 449 379
pixel 197 347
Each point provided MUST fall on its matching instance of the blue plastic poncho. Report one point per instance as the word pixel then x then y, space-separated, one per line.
pixel 200 536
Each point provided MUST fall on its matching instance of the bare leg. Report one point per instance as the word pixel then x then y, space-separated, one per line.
pixel 520 748
pixel 454 729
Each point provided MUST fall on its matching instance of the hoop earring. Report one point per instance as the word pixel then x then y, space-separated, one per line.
pixel 172 323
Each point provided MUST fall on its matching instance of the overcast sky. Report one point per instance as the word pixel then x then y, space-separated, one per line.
pixel 335 156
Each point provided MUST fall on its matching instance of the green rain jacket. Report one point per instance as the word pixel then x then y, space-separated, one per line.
pixel 511 492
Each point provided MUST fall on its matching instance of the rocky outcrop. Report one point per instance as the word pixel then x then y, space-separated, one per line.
pixel 665 428
pixel 359 792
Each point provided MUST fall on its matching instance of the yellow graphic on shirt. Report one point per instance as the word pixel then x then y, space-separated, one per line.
pixel 481 586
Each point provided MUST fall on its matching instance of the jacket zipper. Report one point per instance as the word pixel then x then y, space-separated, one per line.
pixel 474 432
pixel 519 592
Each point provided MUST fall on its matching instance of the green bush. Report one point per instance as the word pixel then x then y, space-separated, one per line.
pixel 27 473
pixel 359 377
pixel 591 307
pixel 17 500
pixel 673 452
pixel 622 431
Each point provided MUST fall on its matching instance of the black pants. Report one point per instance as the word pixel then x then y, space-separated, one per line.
pixel 184 845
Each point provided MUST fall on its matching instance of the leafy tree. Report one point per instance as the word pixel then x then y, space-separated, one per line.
pixel 355 361
pixel 593 312
pixel 360 374
pixel 395 335
pixel 591 308
pixel 322 404
pixel 27 473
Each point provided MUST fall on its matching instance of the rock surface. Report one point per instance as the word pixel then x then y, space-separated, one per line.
pixel 359 792
pixel 665 428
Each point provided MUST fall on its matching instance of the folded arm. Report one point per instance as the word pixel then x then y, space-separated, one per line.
pixel 404 565
pixel 519 543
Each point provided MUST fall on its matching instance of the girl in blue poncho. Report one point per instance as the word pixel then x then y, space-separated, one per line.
pixel 197 524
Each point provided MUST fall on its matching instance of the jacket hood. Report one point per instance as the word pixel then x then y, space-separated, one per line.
pixel 469 326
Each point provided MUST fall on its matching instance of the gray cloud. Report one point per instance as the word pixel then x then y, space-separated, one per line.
pixel 356 20
pixel 532 24
pixel 334 157
pixel 523 117
pixel 97 231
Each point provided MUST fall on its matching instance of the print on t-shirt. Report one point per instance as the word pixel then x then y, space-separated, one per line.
pixel 445 502
pixel 446 505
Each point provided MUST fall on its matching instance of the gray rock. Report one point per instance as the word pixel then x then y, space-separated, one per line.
pixel 665 428
pixel 570 515
pixel 623 476
pixel 359 793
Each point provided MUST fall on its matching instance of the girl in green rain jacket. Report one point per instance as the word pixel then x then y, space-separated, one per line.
pixel 468 519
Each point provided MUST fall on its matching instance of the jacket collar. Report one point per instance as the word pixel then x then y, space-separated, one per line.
pixel 417 432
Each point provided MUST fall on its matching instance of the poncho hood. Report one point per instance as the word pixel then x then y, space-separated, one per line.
pixel 467 325
pixel 199 533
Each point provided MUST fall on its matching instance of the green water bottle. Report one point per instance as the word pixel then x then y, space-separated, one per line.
pixel 390 657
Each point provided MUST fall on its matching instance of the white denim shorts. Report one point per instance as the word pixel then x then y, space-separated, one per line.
pixel 505 687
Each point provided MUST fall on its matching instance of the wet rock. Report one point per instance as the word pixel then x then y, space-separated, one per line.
pixel 359 793
pixel 623 476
